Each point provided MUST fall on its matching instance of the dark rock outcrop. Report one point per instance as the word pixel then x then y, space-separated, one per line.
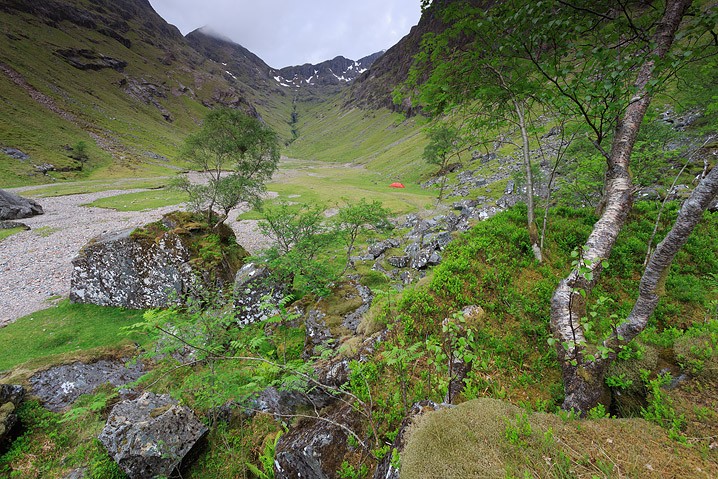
pixel 15 153
pixel 59 387
pixel 85 59
pixel 10 398
pixel 14 207
pixel 151 435
pixel 152 267
pixel 316 448
pixel 337 71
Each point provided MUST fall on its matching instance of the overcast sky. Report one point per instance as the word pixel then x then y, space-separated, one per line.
pixel 293 32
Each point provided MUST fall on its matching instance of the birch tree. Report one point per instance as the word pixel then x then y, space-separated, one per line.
pixel 605 60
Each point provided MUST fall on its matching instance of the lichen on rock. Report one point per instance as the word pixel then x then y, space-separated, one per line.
pixel 157 265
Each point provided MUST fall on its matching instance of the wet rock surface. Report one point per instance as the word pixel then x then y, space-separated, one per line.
pixel 316 448
pixel 58 387
pixel 14 207
pixel 151 435
pixel 10 398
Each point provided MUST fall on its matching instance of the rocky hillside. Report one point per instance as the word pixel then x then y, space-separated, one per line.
pixel 242 68
pixel 117 78
pixel 336 72
pixel 113 75
pixel 373 89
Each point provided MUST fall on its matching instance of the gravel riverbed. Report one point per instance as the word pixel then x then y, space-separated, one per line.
pixel 36 265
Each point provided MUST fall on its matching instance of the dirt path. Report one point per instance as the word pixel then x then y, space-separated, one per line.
pixel 36 265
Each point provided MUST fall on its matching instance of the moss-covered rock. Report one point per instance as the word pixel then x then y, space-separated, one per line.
pixel 156 265
pixel 335 318
pixel 492 438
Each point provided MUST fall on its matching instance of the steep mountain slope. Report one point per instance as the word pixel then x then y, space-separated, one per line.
pixel 373 89
pixel 112 74
pixel 247 72
pixel 116 77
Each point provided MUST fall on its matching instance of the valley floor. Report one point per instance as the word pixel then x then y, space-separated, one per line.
pixel 36 265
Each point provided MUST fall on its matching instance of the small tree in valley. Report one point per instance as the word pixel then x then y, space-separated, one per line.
pixel 443 146
pixel 355 218
pixel 236 154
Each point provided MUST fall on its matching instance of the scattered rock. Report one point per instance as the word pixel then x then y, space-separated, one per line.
pixel 8 225
pixel 14 207
pixel 79 473
pixel 10 398
pixel 151 435
pixel 44 168
pixel 59 387
pixel 335 317
pixel 399 261
pixel 379 248
pixel 15 153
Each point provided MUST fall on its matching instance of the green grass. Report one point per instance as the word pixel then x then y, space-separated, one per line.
pixel 383 141
pixel 6 233
pixel 65 328
pixel 315 182
pixel 141 200
pixel 45 231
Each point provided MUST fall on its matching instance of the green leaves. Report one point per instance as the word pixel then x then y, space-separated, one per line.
pixel 236 154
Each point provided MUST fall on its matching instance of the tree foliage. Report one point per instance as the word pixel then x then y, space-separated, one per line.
pixel 600 61
pixel 355 218
pixel 236 154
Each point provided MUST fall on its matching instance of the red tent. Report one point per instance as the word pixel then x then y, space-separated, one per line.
pixel 397 185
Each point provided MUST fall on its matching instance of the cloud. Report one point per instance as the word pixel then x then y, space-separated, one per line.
pixel 285 33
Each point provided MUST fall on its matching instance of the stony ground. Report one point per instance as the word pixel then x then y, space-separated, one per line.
pixel 36 265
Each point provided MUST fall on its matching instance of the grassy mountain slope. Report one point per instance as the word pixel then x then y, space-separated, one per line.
pixel 112 74
pixel 117 77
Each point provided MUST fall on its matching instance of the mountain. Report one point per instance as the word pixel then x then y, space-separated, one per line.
pixel 338 71
pixel 112 74
pixel 239 66
pixel 373 89
pixel 117 77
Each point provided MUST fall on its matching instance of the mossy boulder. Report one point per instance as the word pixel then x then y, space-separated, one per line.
pixel 156 265
pixel 335 318
pixel 492 438
pixel 10 398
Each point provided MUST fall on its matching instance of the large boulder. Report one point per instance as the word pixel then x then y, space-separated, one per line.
pixel 151 435
pixel 157 265
pixel 59 386
pixel 14 207
pixel 10 398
